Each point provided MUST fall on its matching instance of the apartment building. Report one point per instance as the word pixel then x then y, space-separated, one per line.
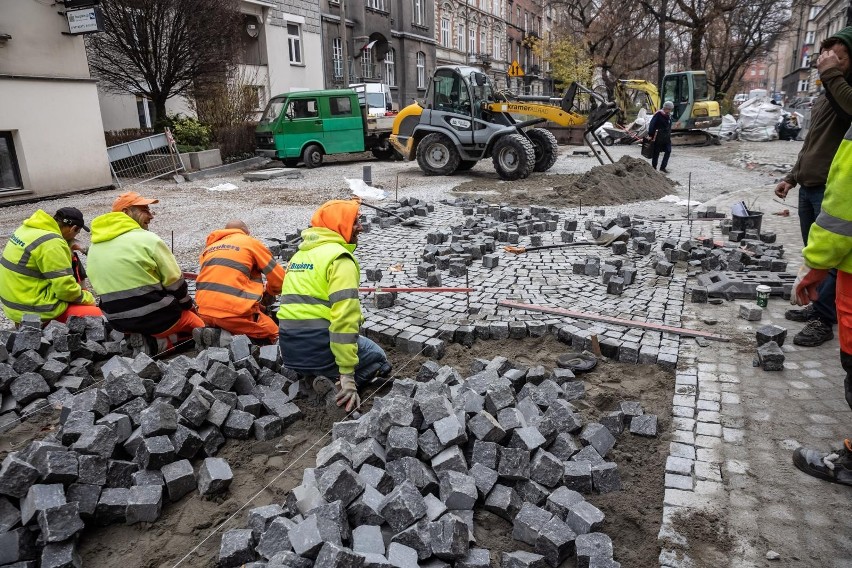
pixel 798 79
pixel 474 33
pixel 281 51
pixel 51 134
pixel 384 41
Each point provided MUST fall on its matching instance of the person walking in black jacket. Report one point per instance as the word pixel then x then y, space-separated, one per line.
pixel 660 132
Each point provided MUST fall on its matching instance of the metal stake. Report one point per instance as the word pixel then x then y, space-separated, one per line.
pixel 396 192
pixel 689 203
pixel 173 242
pixel 467 285
pixel 367 174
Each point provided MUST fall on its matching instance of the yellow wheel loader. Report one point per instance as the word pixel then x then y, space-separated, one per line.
pixel 463 120
pixel 693 111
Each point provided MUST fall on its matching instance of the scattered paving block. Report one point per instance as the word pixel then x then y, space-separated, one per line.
pixel 273 538
pixel 86 496
pixel 60 555
pixel 402 556
pixel 597 436
pixel 148 477
pixel 450 430
pixel 771 332
pixel 528 438
pixel 546 468
pixel 583 517
pixel 59 467
pixel 154 453
pixel 376 478
pixel 771 356
pixel 555 541
pixel 28 387
pixel 564 446
pixel 238 425
pixel 18 545
pixel 750 312
pixel 112 506
pixel 597 546
pixel 449 538
pixel 629 409
pixel 613 421
pixel 267 427
pixel 484 477
pixel 144 504
pixel 457 490
pixel 335 556
pixel 417 537
pixel 505 501
pixel 179 479
pixel 187 442
pixel 644 425
pixel 522 559
pixel 514 463
pixel 485 427
pixel 236 548
pixel 605 477
pixel 39 498
pixel 309 536
pixel 561 500
pixel 368 539
pixel 485 453
pixel 578 476
pixel 60 522
pixel 403 506
pixel 434 506
pixel 158 419
pixel 339 482
pixel 402 441
pixel 214 476
pixel 449 459
pixel 699 294
pixel 528 523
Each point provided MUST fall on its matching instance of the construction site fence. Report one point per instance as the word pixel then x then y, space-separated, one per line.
pixel 145 159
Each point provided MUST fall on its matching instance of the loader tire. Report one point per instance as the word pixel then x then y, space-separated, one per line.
pixel 513 157
pixel 465 165
pixel 312 156
pixel 546 148
pixel 437 155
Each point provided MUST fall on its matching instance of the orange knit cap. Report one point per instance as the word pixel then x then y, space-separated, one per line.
pixel 338 215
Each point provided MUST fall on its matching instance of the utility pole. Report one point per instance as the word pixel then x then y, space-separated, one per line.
pixel 344 43
pixel 661 47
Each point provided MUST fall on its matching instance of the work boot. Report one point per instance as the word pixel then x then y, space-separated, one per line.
pixel 835 467
pixel 816 332
pixel 805 314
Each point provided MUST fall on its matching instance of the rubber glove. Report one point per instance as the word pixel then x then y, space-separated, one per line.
pixel 348 393
pixel 805 286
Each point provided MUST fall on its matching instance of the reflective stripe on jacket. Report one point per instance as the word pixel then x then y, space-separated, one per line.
pixel 320 313
pixel 35 271
pixel 830 236
pixel 230 281
pixel 140 284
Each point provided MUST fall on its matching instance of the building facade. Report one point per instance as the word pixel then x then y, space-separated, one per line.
pixel 281 51
pixel 51 134
pixel 798 80
pixel 383 41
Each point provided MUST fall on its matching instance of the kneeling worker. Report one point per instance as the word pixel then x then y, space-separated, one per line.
pixel 229 289
pixel 140 284
pixel 320 312
pixel 36 273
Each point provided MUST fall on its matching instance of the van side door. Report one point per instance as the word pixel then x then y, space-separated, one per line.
pixel 343 125
pixel 301 124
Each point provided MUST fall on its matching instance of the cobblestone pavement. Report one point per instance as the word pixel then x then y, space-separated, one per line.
pixel 737 429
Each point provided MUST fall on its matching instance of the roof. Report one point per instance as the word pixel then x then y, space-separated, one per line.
pixel 317 93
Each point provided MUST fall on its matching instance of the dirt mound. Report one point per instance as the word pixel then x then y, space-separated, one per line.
pixel 627 180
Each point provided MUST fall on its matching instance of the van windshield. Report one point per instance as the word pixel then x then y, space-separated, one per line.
pixel 273 110
pixel 376 100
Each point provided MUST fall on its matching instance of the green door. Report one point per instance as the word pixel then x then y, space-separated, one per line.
pixel 301 124
pixel 343 125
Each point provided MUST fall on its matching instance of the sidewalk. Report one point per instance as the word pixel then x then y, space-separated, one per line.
pixel 740 425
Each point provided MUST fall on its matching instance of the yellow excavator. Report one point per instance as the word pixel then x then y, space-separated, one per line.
pixel 463 119
pixel 693 111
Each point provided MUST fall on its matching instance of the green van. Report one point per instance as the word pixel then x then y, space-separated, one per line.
pixel 304 126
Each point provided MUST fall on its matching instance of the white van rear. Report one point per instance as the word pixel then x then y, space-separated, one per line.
pixel 379 99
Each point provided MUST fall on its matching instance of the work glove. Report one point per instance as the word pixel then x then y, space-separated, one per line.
pixel 805 286
pixel 348 393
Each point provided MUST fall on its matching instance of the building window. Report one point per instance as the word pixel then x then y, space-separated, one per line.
pixel 390 68
pixel 337 58
pixel 421 70
pixel 526 20
pixel 419 16
pixel 146 112
pixel 483 41
pixel 367 63
pixel 376 4
pixel 806 61
pixel 496 8
pixel 471 40
pixel 254 97
pixel 445 32
pixel 10 175
pixel 518 17
pixel 460 37
pixel 509 51
pixel 803 87
pixel 496 53
pixel 294 42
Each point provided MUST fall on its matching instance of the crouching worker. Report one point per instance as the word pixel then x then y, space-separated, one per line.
pixel 140 284
pixel 320 312
pixel 36 273
pixel 229 289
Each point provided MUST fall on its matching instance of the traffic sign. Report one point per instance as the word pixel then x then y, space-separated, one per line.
pixel 515 70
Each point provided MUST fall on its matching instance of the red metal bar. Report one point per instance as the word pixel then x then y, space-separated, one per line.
pixel 617 321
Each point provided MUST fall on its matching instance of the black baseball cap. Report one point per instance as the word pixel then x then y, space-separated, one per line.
pixel 71 216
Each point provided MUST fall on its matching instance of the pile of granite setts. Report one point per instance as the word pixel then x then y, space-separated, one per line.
pixel 133 433
pixel 399 485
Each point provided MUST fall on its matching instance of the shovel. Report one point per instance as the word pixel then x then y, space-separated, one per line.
pixel 403 221
pixel 607 238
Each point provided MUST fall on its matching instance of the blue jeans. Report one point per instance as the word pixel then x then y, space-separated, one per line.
pixel 667 151
pixel 371 360
pixel 810 204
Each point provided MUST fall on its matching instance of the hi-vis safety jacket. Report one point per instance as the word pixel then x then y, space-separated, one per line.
pixel 830 236
pixel 140 284
pixel 320 313
pixel 35 272
pixel 230 281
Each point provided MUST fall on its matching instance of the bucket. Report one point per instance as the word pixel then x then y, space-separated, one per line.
pixel 763 292
pixel 750 223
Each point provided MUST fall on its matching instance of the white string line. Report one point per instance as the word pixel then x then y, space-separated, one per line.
pixel 292 463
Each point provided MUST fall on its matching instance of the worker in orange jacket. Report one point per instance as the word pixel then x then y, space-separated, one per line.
pixel 229 289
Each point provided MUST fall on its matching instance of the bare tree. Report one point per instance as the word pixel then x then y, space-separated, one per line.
pixel 163 48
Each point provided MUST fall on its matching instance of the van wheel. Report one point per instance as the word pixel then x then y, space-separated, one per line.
pixel 437 155
pixel 312 156
pixel 513 157
pixel 546 148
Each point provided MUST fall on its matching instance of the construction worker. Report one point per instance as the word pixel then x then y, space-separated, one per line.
pixel 830 246
pixel 831 116
pixel 74 215
pixel 36 273
pixel 141 286
pixel 320 312
pixel 229 289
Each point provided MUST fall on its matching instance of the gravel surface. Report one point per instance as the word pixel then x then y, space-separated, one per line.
pixel 188 212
